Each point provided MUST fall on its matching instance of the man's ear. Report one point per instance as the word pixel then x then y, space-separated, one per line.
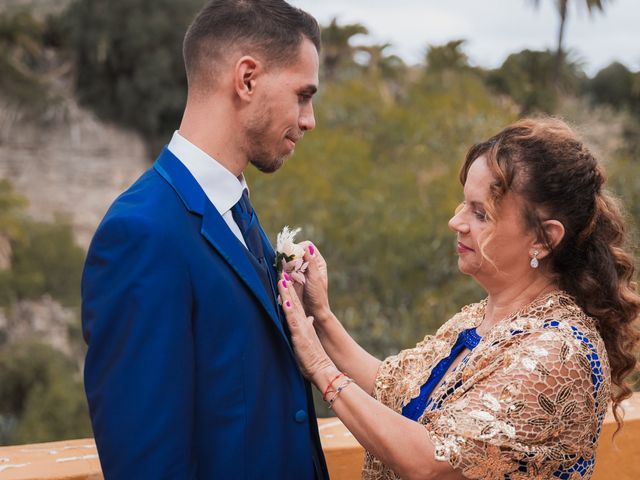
pixel 554 231
pixel 245 74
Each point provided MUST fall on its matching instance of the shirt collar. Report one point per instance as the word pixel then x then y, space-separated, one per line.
pixel 222 188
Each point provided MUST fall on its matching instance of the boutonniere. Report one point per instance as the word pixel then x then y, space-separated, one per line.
pixel 289 255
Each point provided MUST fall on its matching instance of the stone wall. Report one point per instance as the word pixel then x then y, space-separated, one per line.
pixel 68 164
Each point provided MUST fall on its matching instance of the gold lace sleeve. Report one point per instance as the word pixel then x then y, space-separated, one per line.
pixel 391 379
pixel 532 412
pixel 400 376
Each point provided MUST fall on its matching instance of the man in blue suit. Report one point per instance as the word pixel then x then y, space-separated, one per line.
pixel 189 372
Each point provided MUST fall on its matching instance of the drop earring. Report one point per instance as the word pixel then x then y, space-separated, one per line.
pixel 534 261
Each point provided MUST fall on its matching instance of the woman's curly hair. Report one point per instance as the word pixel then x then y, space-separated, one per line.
pixel 557 177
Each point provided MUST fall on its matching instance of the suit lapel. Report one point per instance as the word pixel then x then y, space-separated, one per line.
pixel 270 257
pixel 215 230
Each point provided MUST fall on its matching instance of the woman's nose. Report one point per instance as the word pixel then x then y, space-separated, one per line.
pixel 457 223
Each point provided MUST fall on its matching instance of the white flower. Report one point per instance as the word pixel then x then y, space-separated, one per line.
pixel 286 245
pixel 289 255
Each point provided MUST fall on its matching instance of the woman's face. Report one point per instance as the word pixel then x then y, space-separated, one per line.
pixel 506 256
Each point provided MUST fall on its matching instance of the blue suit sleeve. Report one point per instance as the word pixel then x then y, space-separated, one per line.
pixel 139 370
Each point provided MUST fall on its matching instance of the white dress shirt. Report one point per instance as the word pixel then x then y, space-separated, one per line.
pixel 222 188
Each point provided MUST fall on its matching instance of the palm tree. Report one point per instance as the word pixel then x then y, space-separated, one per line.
pixel 449 56
pixel 385 71
pixel 336 49
pixel 379 63
pixel 562 7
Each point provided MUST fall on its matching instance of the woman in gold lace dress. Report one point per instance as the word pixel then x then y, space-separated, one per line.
pixel 517 385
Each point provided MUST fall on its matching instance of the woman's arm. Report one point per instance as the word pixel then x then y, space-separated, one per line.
pixel 398 442
pixel 343 350
pixel 346 353
pixel 401 444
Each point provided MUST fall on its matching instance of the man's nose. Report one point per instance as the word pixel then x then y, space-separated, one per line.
pixel 307 120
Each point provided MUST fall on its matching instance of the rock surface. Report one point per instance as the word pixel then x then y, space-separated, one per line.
pixel 43 319
pixel 73 165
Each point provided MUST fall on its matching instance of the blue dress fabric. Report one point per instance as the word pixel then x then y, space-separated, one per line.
pixel 468 338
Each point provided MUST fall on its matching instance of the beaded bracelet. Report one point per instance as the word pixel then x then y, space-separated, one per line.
pixel 335 396
pixel 326 390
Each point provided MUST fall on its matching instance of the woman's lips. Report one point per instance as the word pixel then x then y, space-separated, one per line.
pixel 461 248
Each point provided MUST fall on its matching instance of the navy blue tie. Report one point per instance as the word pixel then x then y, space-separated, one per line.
pixel 247 221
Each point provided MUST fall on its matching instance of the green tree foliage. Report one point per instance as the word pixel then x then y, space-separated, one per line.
pixel 23 42
pixel 44 256
pixel 11 205
pixel 380 65
pixel 129 61
pixel 529 77
pixel 47 261
pixel 449 56
pixel 385 71
pixel 11 230
pixel 337 50
pixel 41 396
pixel 617 86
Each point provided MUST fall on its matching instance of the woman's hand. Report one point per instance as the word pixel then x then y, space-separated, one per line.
pixel 312 358
pixel 316 288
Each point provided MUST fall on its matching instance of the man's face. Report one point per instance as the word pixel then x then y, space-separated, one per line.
pixel 283 111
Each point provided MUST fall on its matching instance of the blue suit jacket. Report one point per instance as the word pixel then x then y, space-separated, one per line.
pixel 189 373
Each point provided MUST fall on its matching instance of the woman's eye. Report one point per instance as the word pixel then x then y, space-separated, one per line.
pixel 482 216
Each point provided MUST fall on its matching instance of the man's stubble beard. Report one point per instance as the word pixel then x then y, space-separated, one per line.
pixel 256 144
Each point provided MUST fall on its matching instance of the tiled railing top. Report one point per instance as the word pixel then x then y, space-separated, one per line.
pixel 78 459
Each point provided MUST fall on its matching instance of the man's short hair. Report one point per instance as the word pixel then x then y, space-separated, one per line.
pixel 272 29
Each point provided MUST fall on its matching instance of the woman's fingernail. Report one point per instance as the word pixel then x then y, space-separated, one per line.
pixel 288 304
pixel 312 250
pixel 284 283
pixel 286 275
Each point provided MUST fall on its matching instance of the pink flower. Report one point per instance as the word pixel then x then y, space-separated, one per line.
pixel 295 268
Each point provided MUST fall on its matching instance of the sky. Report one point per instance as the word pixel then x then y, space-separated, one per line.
pixel 493 28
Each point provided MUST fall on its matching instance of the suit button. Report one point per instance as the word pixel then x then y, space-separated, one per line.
pixel 301 416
